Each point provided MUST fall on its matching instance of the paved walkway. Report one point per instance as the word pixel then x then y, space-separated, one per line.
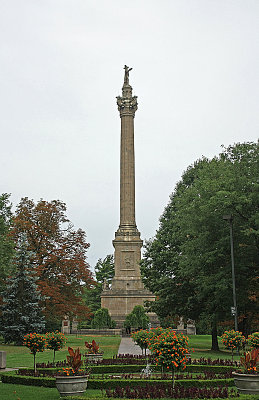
pixel 127 346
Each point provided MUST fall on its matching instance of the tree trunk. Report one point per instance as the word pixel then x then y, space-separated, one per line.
pixel 214 337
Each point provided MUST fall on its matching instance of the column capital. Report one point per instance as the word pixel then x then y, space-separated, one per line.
pixel 127 105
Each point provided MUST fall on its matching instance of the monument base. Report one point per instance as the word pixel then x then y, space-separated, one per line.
pixel 120 303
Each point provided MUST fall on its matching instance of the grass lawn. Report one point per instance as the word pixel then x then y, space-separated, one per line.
pixel 19 356
pixel 202 344
pixel 21 392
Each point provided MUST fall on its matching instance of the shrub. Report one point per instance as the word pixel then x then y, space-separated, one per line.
pixel 36 343
pixel 253 340
pixel 170 350
pixel 137 318
pixel 141 338
pixel 233 340
pixel 102 320
pixel 55 341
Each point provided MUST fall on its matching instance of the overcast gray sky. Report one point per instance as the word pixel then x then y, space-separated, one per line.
pixel 195 72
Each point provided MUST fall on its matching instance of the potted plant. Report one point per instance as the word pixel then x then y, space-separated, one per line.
pixel 72 380
pixel 247 379
pixel 93 352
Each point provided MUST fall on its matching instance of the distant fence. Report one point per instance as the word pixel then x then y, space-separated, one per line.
pixel 111 332
pixel 101 332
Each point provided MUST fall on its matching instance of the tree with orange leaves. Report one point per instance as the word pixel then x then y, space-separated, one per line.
pixel 58 256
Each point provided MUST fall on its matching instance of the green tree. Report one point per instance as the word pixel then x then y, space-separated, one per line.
pixel 104 269
pixel 104 272
pixel 6 244
pixel 21 309
pixel 102 319
pixel 188 263
pixel 137 318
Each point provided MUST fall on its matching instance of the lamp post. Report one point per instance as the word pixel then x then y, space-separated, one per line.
pixel 229 218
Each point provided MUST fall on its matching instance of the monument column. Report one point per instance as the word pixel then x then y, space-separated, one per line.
pixel 127 106
pixel 127 288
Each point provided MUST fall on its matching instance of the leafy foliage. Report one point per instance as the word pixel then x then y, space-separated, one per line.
pixel 233 340
pixel 58 255
pixel 141 338
pixel 187 264
pixel 102 319
pixel 36 343
pixel 74 360
pixel 55 341
pixel 92 348
pixel 104 269
pixel 104 272
pixel 137 318
pixel 250 360
pixel 253 340
pixel 170 350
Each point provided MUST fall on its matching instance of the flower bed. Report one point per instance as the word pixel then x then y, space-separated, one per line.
pixel 159 391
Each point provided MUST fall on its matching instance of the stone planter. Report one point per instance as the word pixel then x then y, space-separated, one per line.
pixel 246 383
pixel 71 385
pixel 93 358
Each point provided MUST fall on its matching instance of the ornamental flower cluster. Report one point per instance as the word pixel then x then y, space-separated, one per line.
pixel 35 342
pixel 170 349
pixel 253 340
pixel 141 338
pixel 56 340
pixel 233 340
pixel 71 372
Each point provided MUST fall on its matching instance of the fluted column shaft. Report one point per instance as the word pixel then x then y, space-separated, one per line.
pixel 127 172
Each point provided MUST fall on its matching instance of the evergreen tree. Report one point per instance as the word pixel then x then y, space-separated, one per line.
pixel 137 318
pixel 6 244
pixel 102 320
pixel 104 272
pixel 21 311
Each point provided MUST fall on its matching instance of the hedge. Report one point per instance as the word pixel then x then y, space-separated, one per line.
pixel 128 368
pixel 12 377
pixel 103 369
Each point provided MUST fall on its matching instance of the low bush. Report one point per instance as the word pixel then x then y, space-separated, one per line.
pixel 11 377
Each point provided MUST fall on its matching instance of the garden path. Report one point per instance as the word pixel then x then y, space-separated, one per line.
pixel 127 346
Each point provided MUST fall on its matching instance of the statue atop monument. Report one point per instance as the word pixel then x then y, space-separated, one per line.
pixel 126 76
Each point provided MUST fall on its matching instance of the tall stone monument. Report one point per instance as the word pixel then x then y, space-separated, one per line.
pixel 127 289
